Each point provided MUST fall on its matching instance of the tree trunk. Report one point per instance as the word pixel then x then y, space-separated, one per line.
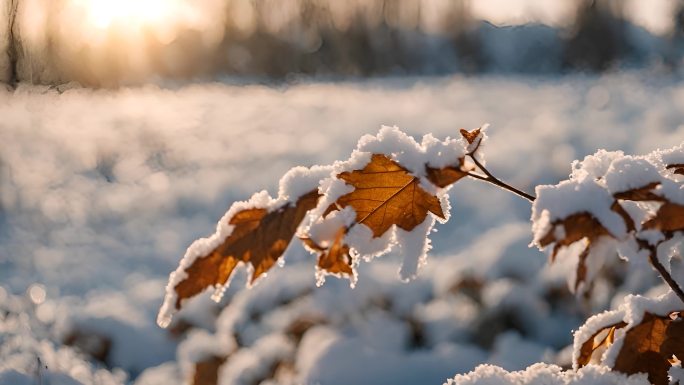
pixel 12 49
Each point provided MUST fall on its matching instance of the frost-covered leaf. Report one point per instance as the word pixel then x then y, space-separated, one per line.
pixel 335 258
pixel 386 194
pixel 676 168
pixel 649 347
pixel 443 177
pixel 644 335
pixel 258 239
pixel 644 193
pixel 597 343
pixel 576 227
pixel 569 230
pixel 670 217
pixel 617 208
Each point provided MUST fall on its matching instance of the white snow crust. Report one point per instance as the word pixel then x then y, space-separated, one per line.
pixel 544 374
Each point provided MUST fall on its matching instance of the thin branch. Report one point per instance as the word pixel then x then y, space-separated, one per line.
pixel 489 178
pixel 496 181
pixel 664 274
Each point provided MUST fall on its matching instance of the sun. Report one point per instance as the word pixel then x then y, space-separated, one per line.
pixel 104 13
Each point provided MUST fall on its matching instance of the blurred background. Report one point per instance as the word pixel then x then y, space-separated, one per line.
pixel 103 43
pixel 128 127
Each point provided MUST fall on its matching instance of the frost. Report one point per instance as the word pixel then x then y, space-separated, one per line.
pixel 411 154
pixel 571 197
pixel 594 166
pixel 544 374
pixel 629 173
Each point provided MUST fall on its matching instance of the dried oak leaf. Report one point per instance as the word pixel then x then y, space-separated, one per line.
pixel 258 239
pixel 640 194
pixel 677 168
pixel 386 194
pixel 649 347
pixel 669 217
pixel 603 338
pixel 470 136
pixel 442 177
pixel 576 227
pixel 334 259
pixel 617 208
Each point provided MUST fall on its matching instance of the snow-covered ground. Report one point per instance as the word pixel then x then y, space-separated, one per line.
pixel 102 191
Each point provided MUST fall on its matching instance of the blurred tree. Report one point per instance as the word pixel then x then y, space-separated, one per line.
pixel 459 26
pixel 12 42
pixel 673 56
pixel 597 39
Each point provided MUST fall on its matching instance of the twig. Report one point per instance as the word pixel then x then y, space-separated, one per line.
pixel 492 179
pixel 664 274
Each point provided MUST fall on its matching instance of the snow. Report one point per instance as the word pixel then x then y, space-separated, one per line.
pixel 409 153
pixel 413 246
pixel 102 191
pixel 251 365
pixel 573 197
pixel 673 156
pixel 200 345
pixel 544 374
pixel 29 356
pixel 594 166
pixel 629 173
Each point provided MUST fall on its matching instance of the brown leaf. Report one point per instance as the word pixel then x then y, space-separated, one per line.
pixel 442 177
pixel 677 168
pixel 649 346
pixel 575 228
pixel 386 194
pixel 670 217
pixel 640 194
pixel 616 207
pixel 334 259
pixel 470 136
pixel 258 239
pixel 206 372
pixel 592 345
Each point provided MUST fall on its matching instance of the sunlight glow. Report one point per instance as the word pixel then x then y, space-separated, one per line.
pixel 103 13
